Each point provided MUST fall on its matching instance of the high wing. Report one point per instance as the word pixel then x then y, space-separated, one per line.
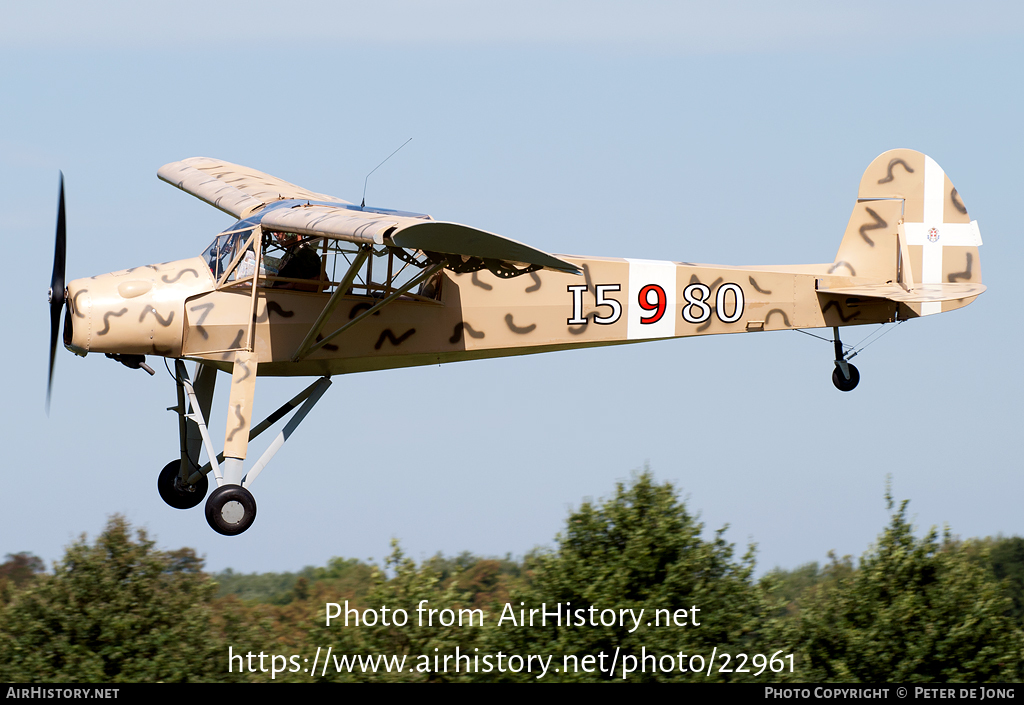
pixel 236 190
pixel 411 232
pixel 243 192
pixel 361 226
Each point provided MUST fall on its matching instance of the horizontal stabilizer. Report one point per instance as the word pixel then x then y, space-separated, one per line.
pixel 921 293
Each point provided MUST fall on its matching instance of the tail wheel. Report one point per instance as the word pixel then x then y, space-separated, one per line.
pixel 175 495
pixel 230 510
pixel 843 384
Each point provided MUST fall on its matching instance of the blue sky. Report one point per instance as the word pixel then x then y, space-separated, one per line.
pixel 724 133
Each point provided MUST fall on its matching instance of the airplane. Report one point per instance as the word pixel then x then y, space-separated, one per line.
pixel 306 284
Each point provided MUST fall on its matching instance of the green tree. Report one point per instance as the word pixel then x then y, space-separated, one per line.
pixel 20 568
pixel 1007 560
pixel 116 610
pixel 419 640
pixel 347 575
pixel 640 549
pixel 913 610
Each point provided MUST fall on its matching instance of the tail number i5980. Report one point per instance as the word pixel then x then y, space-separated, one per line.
pixel 653 303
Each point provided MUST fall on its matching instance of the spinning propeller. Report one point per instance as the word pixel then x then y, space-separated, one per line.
pixel 56 287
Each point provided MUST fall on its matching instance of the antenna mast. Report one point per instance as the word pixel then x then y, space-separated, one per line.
pixel 363 204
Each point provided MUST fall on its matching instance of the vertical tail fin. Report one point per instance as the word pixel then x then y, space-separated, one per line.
pixel 910 227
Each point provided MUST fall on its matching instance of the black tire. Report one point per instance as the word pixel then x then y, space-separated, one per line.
pixel 843 384
pixel 180 498
pixel 230 510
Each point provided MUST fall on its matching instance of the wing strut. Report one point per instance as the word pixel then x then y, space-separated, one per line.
pixel 421 277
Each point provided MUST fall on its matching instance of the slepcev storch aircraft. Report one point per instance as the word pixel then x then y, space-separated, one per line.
pixel 308 284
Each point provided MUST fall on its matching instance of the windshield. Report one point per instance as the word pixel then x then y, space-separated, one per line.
pixel 225 249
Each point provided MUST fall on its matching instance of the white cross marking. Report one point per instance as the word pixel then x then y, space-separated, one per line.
pixel 949 234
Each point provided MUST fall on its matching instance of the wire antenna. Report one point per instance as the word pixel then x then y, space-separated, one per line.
pixel 363 204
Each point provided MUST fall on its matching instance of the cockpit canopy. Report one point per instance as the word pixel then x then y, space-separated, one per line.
pixel 309 263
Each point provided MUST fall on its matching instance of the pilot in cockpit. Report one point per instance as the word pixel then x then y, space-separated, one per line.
pixel 300 261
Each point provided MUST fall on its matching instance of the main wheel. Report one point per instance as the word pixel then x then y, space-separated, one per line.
pixel 843 384
pixel 230 510
pixel 180 497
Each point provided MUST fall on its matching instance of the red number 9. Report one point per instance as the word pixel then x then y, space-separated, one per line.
pixel 658 306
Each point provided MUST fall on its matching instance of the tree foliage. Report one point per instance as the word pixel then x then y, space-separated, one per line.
pixel 914 610
pixel 641 549
pixel 410 586
pixel 20 568
pixel 1004 558
pixel 116 610
pixel 928 609
pixel 345 575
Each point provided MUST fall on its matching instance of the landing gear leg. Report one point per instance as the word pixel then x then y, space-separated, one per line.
pixel 179 486
pixel 845 376
pixel 230 508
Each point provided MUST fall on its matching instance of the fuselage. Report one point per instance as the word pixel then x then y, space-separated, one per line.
pixel 176 310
